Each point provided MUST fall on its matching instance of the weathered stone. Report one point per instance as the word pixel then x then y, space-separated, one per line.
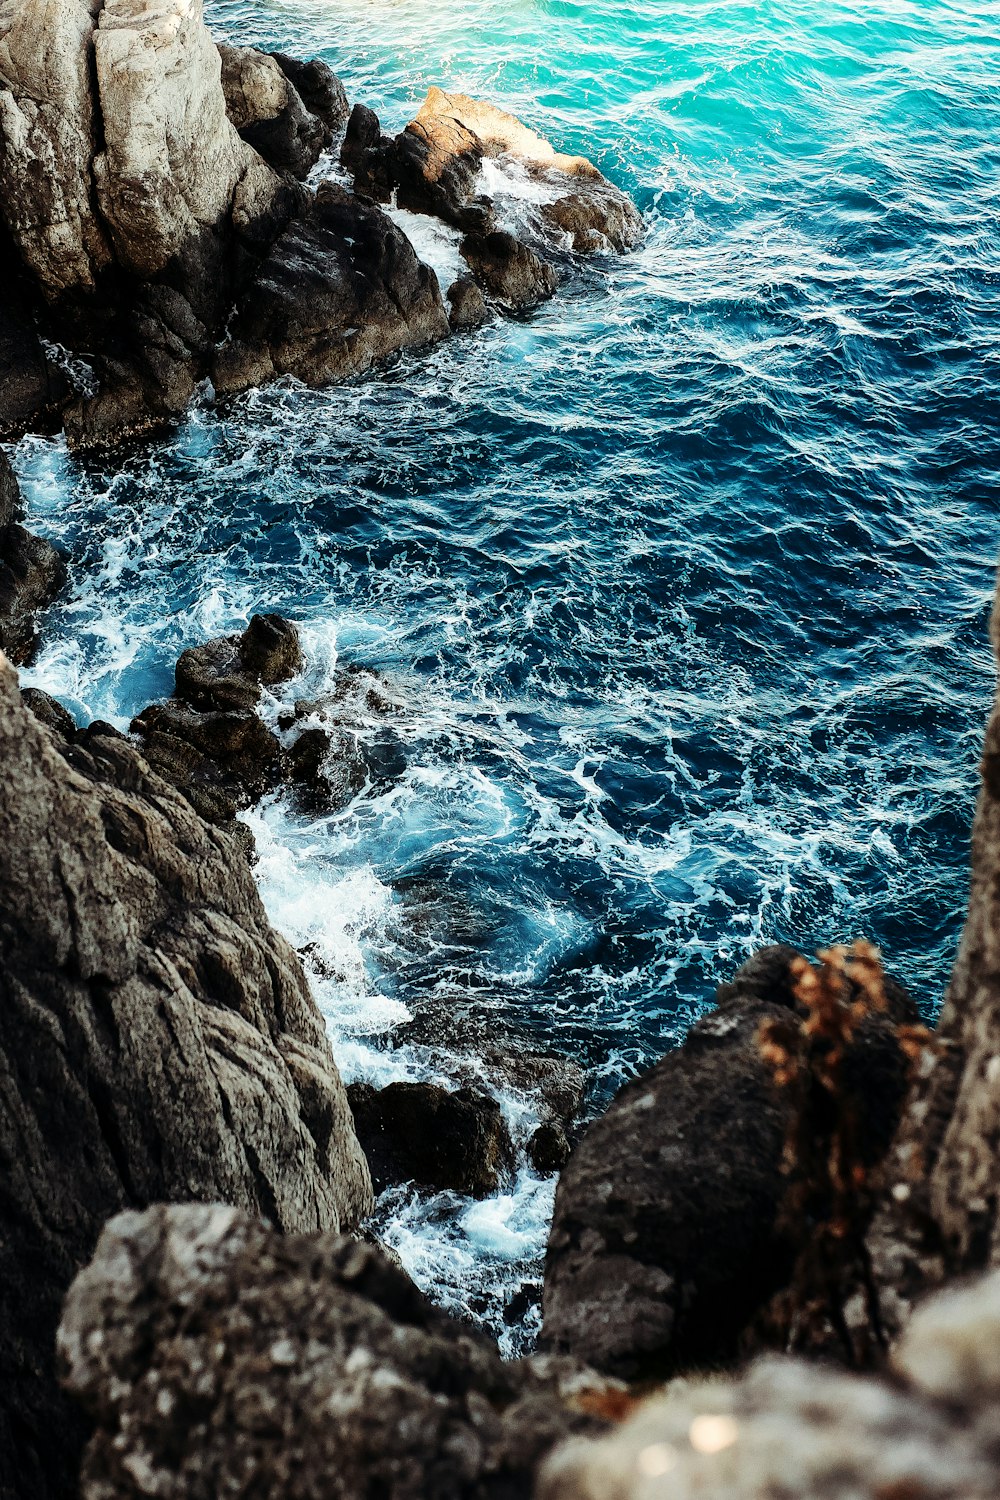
pixel 939 1214
pixel 419 1132
pixel 50 712
pixel 228 672
pixel 466 307
pixel 157 1041
pixel 223 760
pixel 666 1235
pixel 548 1148
pixel 341 290
pixel 268 110
pixel 508 270
pixel 213 1354
pixel 32 572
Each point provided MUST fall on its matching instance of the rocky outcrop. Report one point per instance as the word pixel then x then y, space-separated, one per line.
pixel 153 194
pixel 271 115
pixel 442 1139
pixel 31 572
pixel 341 290
pixel 790 1428
pixel 668 1235
pixel 213 1354
pixel 939 1214
pixel 157 1042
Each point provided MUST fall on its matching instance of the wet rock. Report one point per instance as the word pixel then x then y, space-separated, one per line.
pixel 548 1148
pixel 270 113
pixel 600 219
pixel 666 1236
pixel 419 1132
pixel 341 290
pixel 786 1428
pixel 508 270
pixel 211 1353
pixel 228 672
pixel 50 712
pixel 466 307
pixel 157 1042
pixel 32 391
pixel 32 572
pixel 223 760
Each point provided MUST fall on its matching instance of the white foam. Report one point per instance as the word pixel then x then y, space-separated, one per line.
pixel 435 242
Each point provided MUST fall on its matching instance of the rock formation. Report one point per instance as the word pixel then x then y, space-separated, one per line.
pixel 213 1354
pixel 939 1214
pixel 154 206
pixel 31 572
pixel 667 1234
pixel 419 1132
pixel 157 1042
pixel 790 1428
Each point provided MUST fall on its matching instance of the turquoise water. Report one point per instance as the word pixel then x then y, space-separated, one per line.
pixel 683 582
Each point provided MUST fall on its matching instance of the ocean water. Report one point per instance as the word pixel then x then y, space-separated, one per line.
pixel 681 584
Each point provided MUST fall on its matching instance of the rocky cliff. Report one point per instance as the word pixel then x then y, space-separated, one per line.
pixel 157 1042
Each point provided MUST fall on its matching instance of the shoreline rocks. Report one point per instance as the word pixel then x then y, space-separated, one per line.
pixel 32 572
pixel 159 225
pixel 158 1041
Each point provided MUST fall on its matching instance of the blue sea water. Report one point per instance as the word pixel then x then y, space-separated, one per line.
pixel 682 582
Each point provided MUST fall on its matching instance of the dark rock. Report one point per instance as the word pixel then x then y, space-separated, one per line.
pixel 508 270
pixel 227 673
pixel 32 572
pixel 270 650
pixel 213 1354
pixel 157 1042
pixel 266 105
pixel 32 391
pixel 341 289
pixel 418 1132
pixel 467 308
pixel 548 1149
pixel 599 218
pixel 666 1237
pixel 50 712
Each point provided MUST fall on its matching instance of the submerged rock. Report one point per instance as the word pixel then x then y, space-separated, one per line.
pixel 419 1132
pixel 157 1041
pixel 212 1353
pixel 666 1236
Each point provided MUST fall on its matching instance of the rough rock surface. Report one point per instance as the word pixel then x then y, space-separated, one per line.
pixel 157 1041
pixel 940 1216
pixel 666 1235
pixel 216 1357
pixel 341 289
pixel 509 271
pixel 31 572
pixel 419 1132
pixel 265 106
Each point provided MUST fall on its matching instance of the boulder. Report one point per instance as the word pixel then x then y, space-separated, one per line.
pixel 341 290
pixel 549 1148
pixel 443 1140
pixel 229 672
pixel 217 1357
pixel 667 1235
pixel 158 1041
pixel 32 572
pixel 269 112
pixel 222 760
pixel 508 270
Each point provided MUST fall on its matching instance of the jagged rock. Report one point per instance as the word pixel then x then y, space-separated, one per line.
pixel 939 1215
pixel 32 391
pixel 341 289
pixel 213 1354
pixel 50 712
pixel 419 1132
pixel 229 672
pixel 548 1148
pixel 266 107
pixel 666 1236
pixel 223 760
pixel 157 1042
pixel 466 307
pixel 32 572
pixel 508 270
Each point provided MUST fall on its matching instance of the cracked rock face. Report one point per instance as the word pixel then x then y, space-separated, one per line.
pixel 939 1217
pixel 157 1042
pixel 216 1357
